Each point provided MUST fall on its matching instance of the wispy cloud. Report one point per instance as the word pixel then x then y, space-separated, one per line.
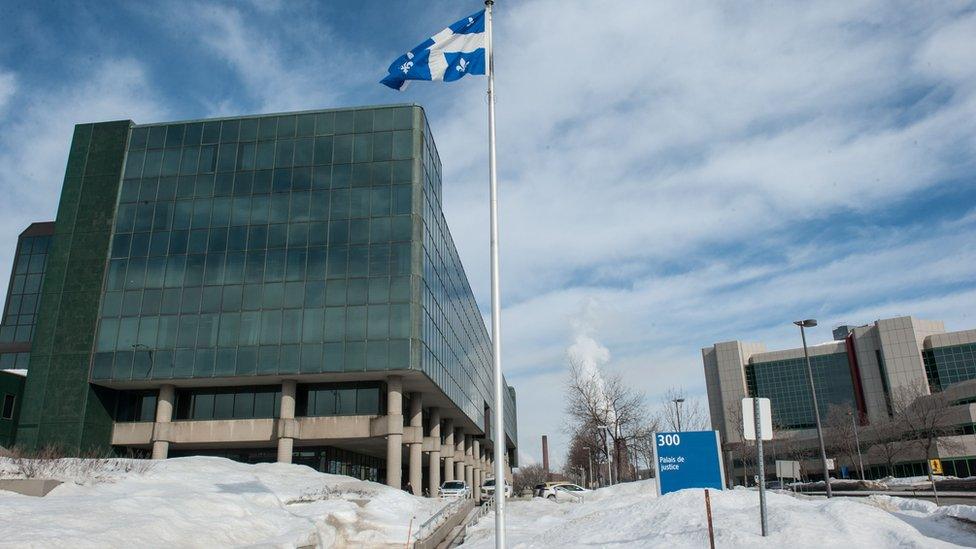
pixel 283 59
pixel 37 132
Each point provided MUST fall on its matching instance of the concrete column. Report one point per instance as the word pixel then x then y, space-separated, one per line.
pixel 478 478
pixel 416 448
pixel 286 442
pixel 449 442
pixel 164 414
pixel 468 464
pixel 459 453
pixel 394 438
pixel 434 466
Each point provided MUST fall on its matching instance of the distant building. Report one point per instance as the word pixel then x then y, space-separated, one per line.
pixel 280 287
pixel 862 369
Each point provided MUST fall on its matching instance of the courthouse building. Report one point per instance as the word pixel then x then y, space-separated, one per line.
pixel 864 369
pixel 277 287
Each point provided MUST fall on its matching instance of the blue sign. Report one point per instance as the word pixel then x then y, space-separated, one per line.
pixel 689 459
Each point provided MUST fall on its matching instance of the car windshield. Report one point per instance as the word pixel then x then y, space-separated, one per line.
pixel 490 482
pixel 453 485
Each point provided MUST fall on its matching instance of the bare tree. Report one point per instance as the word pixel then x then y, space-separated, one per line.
pixel 596 400
pixel 586 452
pixel 887 439
pixel 839 436
pixel 527 477
pixel 926 420
pixel 688 415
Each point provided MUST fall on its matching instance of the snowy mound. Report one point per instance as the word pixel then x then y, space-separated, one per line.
pixel 207 502
pixel 630 515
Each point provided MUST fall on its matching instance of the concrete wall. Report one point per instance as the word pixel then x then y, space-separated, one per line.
pixel 950 338
pixel 901 345
pixel 235 431
pixel 726 384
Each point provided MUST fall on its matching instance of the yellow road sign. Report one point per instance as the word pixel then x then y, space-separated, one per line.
pixel 936 466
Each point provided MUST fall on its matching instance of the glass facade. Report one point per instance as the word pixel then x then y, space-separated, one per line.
pixel 455 348
pixel 228 403
pixel 786 384
pixel 340 399
pixel 24 296
pixel 261 246
pixel 290 244
pixel 322 458
pixel 11 394
pixel 950 364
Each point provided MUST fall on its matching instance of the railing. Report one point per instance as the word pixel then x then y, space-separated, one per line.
pixel 487 506
pixel 438 518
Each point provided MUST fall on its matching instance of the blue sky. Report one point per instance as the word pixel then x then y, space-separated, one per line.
pixel 672 174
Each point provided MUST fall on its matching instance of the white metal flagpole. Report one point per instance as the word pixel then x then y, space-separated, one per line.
pixel 496 305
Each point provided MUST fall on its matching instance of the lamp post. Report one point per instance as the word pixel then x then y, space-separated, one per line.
pixel 857 444
pixel 677 410
pixel 809 323
pixel 589 462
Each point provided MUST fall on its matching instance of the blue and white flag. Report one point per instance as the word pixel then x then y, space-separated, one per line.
pixel 448 55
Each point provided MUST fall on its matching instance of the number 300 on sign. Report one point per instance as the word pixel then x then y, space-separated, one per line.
pixel 668 440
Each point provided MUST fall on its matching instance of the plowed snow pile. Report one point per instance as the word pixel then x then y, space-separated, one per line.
pixel 207 502
pixel 630 515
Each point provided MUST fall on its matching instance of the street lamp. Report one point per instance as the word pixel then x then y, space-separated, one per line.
pixel 857 443
pixel 677 410
pixel 810 323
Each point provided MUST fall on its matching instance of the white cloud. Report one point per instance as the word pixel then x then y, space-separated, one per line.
pixel 284 63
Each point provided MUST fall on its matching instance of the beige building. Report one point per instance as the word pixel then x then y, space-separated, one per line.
pixel 863 369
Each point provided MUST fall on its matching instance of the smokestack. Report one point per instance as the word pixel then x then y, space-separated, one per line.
pixel 545 455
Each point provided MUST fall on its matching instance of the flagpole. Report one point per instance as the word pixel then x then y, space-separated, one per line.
pixel 496 305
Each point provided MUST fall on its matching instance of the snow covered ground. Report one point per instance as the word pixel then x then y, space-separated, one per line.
pixel 207 502
pixel 211 502
pixel 630 515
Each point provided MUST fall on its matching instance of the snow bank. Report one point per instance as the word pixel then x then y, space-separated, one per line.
pixel 891 503
pixel 907 482
pixel 207 502
pixel 631 516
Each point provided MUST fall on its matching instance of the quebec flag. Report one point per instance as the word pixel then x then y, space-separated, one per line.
pixel 448 55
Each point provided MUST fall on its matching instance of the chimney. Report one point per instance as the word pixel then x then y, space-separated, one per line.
pixel 545 455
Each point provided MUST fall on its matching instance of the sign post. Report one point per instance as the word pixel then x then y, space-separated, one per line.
pixel 760 428
pixel 689 459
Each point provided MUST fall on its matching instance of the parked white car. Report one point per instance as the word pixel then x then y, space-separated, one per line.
pixel 568 492
pixel 488 489
pixel 454 489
